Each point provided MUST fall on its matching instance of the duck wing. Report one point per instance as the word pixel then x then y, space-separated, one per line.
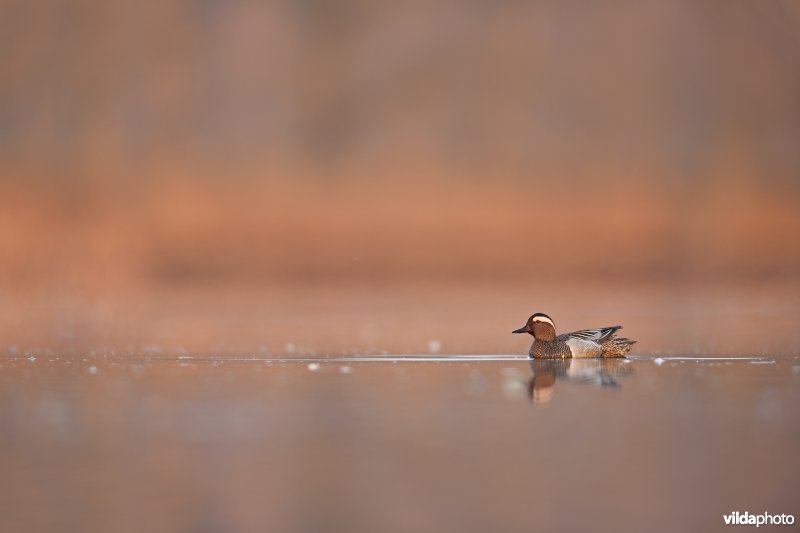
pixel 598 335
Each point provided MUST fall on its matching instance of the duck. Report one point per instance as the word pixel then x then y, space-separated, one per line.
pixel 598 342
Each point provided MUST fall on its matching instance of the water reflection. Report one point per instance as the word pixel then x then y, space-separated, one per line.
pixel 597 372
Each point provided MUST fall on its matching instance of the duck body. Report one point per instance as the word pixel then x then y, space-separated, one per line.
pixel 586 343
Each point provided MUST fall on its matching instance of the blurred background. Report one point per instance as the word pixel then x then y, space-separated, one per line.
pixel 193 191
pixel 342 176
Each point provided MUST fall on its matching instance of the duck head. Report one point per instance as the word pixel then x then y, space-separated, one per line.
pixel 540 326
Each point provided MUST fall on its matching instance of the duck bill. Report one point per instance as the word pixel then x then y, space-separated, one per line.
pixel 523 329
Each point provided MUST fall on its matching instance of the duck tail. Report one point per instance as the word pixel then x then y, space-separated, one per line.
pixel 617 347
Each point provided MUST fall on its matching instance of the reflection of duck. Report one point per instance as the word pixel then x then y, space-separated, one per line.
pixel 599 342
pixel 598 372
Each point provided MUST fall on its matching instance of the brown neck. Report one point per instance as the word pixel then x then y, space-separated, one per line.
pixel 544 332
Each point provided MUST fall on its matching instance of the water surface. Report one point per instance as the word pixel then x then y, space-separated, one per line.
pixel 408 443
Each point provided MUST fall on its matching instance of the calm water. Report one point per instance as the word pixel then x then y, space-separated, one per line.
pixel 288 408
pixel 492 443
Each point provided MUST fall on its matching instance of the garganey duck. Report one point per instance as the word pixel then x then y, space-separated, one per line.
pixel 599 342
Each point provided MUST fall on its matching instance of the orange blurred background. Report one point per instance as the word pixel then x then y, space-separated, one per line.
pixel 218 146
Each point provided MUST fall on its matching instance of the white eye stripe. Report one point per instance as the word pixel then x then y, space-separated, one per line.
pixel 543 319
